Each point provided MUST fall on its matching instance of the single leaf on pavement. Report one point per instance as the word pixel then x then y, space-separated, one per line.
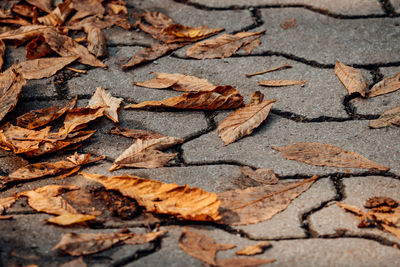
pixel 88 243
pixel 289 23
pixel 351 78
pixel 77 117
pixel 43 67
pixel 97 44
pixel 178 82
pixel 276 83
pixel 38 118
pixel 176 200
pixel 103 99
pixel 243 262
pixel 201 247
pixel 388 118
pixel 243 121
pixel 222 97
pixel 261 203
pixel 11 83
pixel 144 238
pixel 135 133
pixel 284 66
pixel 385 86
pixel 320 154
pixel 254 249
pixel 2 51
pixel 6 203
pixel 263 175
pixel 69 219
pixel 225 45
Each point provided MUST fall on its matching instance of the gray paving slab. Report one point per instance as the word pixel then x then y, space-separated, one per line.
pixel 255 150
pixel 357 190
pixel 395 4
pixel 343 7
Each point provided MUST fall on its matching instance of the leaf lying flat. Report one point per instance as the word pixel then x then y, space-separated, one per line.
pixel 254 249
pixel 43 67
pixel 87 8
pixel 102 99
pixel 261 203
pixel 242 262
pixel 284 66
pixel 388 118
pixel 90 243
pixel 320 154
pixel 135 133
pixel 38 118
pixel 24 33
pixel 274 83
pixel 222 97
pixel 178 82
pixel 69 219
pixel 263 175
pixel 11 84
pixel 181 33
pixel 351 78
pixel 77 117
pixel 180 201
pixel 385 86
pixel 6 203
pixel 243 121
pixel 225 45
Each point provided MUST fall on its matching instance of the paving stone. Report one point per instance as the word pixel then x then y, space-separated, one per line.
pixel 396 5
pixel 332 219
pixel 343 7
pixel 255 150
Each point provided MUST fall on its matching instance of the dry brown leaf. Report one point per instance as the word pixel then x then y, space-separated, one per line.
pixel 87 8
pixel 178 82
pixel 275 83
pixel 385 86
pixel 80 116
pixel 222 97
pixel 17 21
pixel 146 153
pixel 375 202
pixel 242 262
pixel 97 44
pixel 284 66
pixel 287 24
pixel 263 176
pixel 243 121
pixel 79 262
pixel 144 238
pixel 351 78
pixel 201 247
pixel 178 33
pixel 261 203
pixel 225 45
pixel 69 219
pixel 151 53
pixel 180 201
pixel 5 217
pixel 37 48
pixel 89 243
pixel 135 133
pixel 11 83
pixel 24 10
pixel 2 51
pixel 24 33
pixel 117 8
pixel 6 203
pixel 66 46
pixel 44 5
pixel 320 154
pixel 103 99
pixel 43 67
pixel 58 16
pixel 254 249
pixel 388 118
pixel 38 118
pixel 391 229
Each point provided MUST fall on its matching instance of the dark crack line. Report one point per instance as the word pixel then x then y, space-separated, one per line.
pixel 387 8
pixel 257 21
pixel 156 245
pixel 379 239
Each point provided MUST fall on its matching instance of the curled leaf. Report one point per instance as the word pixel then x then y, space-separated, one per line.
pixel 77 117
pixel 103 99
pixel 385 86
pixel 97 44
pixel 11 84
pixel 351 78
pixel 388 118
pixel 6 203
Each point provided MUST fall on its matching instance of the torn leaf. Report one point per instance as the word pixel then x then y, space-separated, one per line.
pixel 103 99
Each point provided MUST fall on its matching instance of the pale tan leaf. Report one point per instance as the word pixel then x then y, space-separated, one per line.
pixel 320 154
pixel 263 176
pixel 354 209
pixel 38 118
pixel 351 78
pixel 388 118
pixel 43 67
pixel 6 203
pixel 289 23
pixel 224 45
pixel 254 249
pixel 136 134
pixel 284 66
pixel 144 238
pixel 261 203
pixel 385 86
pixel 66 46
pixel 11 84
pixel 276 83
pixel 243 262
pixel 201 247
pixel 243 121
pixel 97 44
pixel 103 99
pixel 24 33
pixel 69 219
pixel 178 82
pixel 78 117
pixel 2 51
pixel 222 97
pixel 180 201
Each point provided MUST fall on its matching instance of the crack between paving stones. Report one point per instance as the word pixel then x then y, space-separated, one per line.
pixel 387 7
pixel 317 10
pixel 156 245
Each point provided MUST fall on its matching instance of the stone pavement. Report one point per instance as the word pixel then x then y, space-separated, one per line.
pixel 312 231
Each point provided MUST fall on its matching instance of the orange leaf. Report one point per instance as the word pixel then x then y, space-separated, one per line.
pixel 275 83
pixel 388 118
pixel 69 219
pixel 351 78
pixel 385 86
pixel 37 48
pixel 103 99
pixel 6 203
pixel 2 51
pixel 287 24
pixel 135 133
pixel 254 249
pixel 87 8
pixel 80 116
pixel 59 15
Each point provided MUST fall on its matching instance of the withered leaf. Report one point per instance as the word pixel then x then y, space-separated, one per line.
pixel 222 97
pixel 69 219
pixel 87 8
pixel 5 217
pixel 24 33
pixel 80 116
pixel 320 154
pixel 43 67
pixel 178 82
pixel 289 23
pixel 37 48
pixel 263 175
pixel 24 10
pixel 38 118
pixel 117 8
pixel 270 70
pixel 144 238
pixel 243 262
pixel 261 203
pixel 11 83
pixel 243 121
pixel 225 45
pixel 388 118
pixel 17 21
pixel 59 15
pixel 88 243
pixel 351 78
pixel 146 153
pixel 44 5
pixel 181 33
pixel 254 249
pixel 6 203
pixel 385 86
pixel 2 51
pixel 66 46
pixel 180 201
pixel 97 44
pixel 79 262
pixel 135 133
pixel 374 202
pixel 201 247
pixel 103 99
pixel 275 83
